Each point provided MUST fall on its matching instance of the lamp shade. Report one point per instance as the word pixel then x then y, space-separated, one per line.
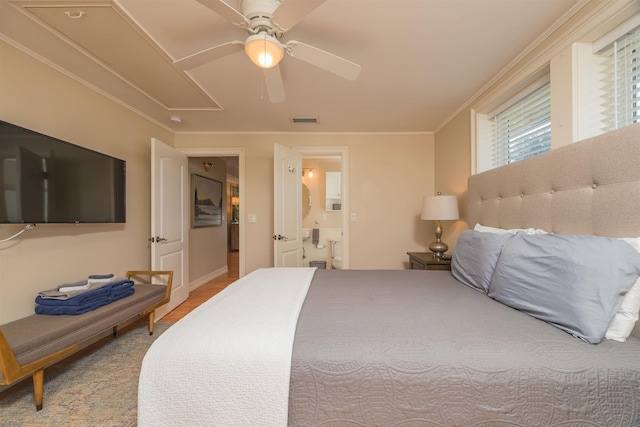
pixel 264 50
pixel 440 208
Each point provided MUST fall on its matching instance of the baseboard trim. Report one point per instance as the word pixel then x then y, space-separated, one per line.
pixel 204 279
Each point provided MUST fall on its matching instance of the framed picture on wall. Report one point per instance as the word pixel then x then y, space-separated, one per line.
pixel 207 201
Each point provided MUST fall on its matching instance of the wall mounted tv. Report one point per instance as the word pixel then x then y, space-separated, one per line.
pixel 46 180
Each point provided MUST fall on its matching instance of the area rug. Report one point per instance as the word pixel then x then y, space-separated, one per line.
pixel 99 389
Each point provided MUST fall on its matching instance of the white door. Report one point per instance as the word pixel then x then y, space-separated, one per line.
pixel 170 219
pixel 287 228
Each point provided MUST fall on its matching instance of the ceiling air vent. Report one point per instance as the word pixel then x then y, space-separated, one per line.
pixel 304 119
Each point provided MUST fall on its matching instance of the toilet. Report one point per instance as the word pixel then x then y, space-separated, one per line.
pixel 336 254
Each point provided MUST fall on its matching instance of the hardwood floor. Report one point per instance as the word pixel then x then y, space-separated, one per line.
pixel 206 291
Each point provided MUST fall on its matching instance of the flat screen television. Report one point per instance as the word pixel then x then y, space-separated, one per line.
pixel 47 180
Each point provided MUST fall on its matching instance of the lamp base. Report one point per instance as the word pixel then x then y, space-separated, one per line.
pixel 438 248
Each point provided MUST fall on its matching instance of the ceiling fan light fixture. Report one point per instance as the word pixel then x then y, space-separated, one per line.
pixel 264 50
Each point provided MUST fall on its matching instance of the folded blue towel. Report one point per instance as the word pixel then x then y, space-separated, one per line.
pixel 66 293
pixel 123 290
pixel 87 297
pixel 120 290
pixel 78 300
pixel 71 309
pixel 119 284
pixel 121 293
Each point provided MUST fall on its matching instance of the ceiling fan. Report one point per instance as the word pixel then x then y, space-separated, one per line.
pixel 266 21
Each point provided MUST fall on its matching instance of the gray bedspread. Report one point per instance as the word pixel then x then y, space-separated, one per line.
pixel 417 348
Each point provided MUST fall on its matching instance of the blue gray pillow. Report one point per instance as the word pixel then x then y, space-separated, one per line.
pixel 475 257
pixel 576 283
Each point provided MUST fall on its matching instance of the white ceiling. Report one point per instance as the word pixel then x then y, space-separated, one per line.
pixel 421 59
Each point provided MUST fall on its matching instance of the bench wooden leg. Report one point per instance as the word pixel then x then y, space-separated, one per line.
pixel 151 322
pixel 38 383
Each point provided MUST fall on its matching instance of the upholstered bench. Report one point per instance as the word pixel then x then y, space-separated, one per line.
pixel 30 344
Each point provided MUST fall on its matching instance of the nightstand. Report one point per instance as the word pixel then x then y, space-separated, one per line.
pixel 426 261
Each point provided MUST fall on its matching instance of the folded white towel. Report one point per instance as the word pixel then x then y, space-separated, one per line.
pixel 57 293
pixel 66 287
pixel 81 286
pixel 101 279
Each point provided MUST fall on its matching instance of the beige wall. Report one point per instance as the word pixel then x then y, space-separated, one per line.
pixel 453 167
pixel 37 97
pixel 389 174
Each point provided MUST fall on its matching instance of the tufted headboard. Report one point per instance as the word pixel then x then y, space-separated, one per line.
pixel 591 187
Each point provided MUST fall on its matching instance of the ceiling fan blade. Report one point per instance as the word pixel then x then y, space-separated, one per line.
pixel 225 10
pixel 208 55
pixel 323 59
pixel 290 12
pixel 273 82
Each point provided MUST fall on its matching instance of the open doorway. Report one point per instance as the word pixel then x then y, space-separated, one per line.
pixel 325 234
pixel 211 180
pixel 235 159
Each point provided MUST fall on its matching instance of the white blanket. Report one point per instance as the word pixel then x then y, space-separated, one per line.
pixel 228 362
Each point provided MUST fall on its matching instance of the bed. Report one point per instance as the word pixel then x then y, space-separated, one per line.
pixel 306 347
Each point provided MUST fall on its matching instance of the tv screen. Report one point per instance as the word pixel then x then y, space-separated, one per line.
pixel 46 180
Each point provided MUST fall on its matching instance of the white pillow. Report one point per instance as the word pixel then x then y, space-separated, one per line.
pixel 627 316
pixel 487 229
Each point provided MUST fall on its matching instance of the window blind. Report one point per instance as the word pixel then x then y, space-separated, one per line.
pixel 524 129
pixel 621 82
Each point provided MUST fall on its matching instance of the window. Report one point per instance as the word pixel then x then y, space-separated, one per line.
pixel 621 88
pixel 523 129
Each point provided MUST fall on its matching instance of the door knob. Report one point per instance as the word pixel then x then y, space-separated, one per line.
pixel 160 239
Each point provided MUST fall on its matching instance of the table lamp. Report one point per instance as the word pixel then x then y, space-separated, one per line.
pixel 439 208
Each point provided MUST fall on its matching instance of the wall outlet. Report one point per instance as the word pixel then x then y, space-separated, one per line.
pixel 252 218
pixel 354 217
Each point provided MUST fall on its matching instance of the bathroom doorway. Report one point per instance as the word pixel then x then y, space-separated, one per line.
pixel 324 180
